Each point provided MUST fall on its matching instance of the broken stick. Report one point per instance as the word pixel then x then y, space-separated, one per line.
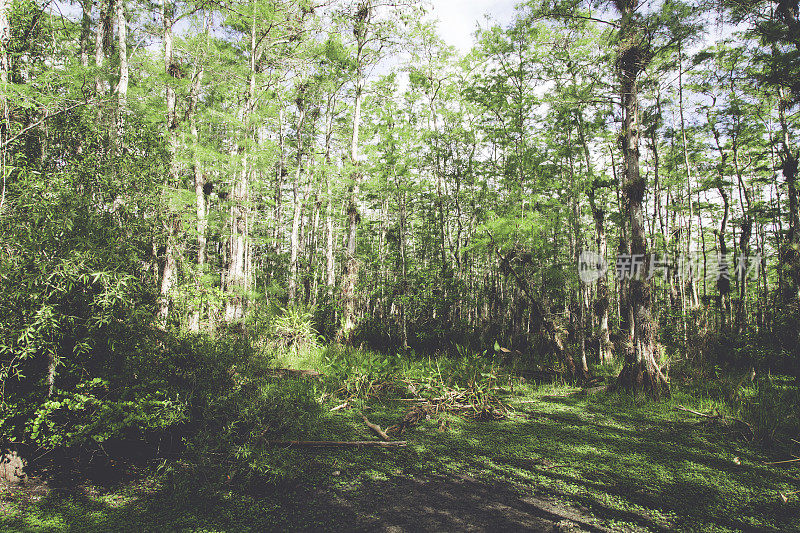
pixel 376 428
pixel 717 416
pixel 333 443
pixel 341 406
pixel 682 408
pixel 782 462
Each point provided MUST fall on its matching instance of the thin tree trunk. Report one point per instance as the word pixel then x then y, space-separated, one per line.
pixel 403 265
pixel 122 85
pixel 294 243
pixel 98 46
pixel 789 165
pixel 277 234
pixel 330 257
pixel 580 318
pixel 352 264
pixel 169 274
pixel 692 286
pixel 723 281
pixel 5 38
pixel 236 279
pixel 601 305
pixel 103 38
pixel 195 319
pixel 86 18
pixel 744 244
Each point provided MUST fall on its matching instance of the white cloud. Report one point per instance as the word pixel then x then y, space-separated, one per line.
pixel 458 19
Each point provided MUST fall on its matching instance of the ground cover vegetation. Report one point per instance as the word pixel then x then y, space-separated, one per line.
pixel 272 265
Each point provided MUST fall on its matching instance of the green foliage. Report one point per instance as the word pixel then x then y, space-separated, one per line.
pixel 72 419
pixel 293 329
pixel 230 441
pixel 767 404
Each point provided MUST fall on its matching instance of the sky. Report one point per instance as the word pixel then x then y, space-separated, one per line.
pixel 458 19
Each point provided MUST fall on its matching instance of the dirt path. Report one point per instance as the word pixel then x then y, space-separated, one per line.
pixel 399 504
pixel 438 503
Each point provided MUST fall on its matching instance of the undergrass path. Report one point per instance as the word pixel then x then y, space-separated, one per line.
pixel 561 462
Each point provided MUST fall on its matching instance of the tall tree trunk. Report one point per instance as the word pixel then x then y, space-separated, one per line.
pixel 102 47
pixel 601 305
pixel 577 245
pixel 236 278
pixel 723 281
pixel 744 243
pixel 172 221
pixel 789 165
pixel 403 264
pixel 294 246
pixel 277 234
pixel 352 264
pixel 640 371
pixel 691 285
pixel 196 317
pixel 86 21
pixel 5 38
pixel 330 245
pixel 98 47
pixel 122 85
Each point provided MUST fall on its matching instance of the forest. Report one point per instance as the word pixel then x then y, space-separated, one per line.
pixel 275 265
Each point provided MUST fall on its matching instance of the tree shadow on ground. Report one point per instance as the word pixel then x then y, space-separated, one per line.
pixel 559 463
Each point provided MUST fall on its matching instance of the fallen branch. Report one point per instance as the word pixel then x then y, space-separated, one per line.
pixel 782 462
pixel 376 428
pixel 682 408
pixel 291 372
pixel 342 406
pixel 335 443
pixel 785 495
pixel 409 399
pixel 717 416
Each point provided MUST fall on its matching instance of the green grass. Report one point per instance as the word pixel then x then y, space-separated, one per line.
pixel 631 463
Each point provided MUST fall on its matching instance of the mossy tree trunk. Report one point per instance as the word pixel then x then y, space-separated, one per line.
pixel 640 372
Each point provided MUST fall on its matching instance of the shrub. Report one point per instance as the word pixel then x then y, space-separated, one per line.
pixel 293 329
pixel 230 441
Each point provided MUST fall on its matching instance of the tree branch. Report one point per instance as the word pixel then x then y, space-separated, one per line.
pixel 39 122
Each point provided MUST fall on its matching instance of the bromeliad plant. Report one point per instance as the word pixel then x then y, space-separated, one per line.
pixel 293 329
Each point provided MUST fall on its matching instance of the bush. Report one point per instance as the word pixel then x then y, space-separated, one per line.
pixel 293 329
pixel 231 438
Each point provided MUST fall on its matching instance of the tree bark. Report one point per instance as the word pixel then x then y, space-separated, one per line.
pixel 330 250
pixel 640 372
pixel 294 244
pixel 122 85
pixel 5 38
pixel 201 206
pixel 169 273
pixel 236 278
pixel 601 304
pixel 789 165
pixel 86 18
pixel 723 281
pixel 277 234
pixel 352 264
